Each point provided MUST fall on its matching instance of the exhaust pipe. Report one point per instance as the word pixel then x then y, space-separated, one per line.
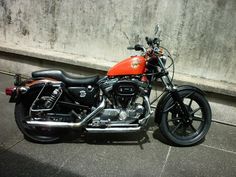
pixel 114 130
pixel 52 124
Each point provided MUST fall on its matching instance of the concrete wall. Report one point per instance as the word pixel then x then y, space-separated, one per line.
pixel 200 34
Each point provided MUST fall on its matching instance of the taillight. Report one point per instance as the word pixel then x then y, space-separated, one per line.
pixel 9 91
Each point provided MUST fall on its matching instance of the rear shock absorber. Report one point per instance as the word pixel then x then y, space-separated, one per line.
pixel 54 96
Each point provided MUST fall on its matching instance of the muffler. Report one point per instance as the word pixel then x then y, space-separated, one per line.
pixel 52 124
pixel 114 130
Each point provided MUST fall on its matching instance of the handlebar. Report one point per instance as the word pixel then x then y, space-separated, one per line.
pixel 130 48
pixel 152 42
pixel 137 47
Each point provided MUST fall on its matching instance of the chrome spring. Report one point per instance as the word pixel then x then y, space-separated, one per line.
pixel 52 98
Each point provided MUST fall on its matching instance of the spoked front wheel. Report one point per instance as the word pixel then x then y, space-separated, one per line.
pixel 186 129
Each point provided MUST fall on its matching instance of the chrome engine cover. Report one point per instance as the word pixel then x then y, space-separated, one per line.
pixel 114 116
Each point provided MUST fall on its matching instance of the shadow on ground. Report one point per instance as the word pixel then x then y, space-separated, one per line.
pixel 139 138
pixel 158 136
pixel 19 165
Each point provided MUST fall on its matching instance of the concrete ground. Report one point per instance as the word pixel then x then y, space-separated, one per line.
pixel 118 155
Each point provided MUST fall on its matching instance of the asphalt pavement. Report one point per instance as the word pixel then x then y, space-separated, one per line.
pixel 126 155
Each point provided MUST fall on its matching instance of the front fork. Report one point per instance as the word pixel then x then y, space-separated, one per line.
pixel 173 90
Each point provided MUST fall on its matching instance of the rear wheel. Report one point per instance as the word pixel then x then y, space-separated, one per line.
pixel 35 134
pixel 185 130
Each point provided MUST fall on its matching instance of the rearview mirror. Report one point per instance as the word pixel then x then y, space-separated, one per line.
pixel 157 30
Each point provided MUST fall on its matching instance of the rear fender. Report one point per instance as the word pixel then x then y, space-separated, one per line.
pixel 30 85
pixel 167 95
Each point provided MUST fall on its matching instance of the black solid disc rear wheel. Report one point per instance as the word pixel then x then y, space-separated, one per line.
pixel 185 130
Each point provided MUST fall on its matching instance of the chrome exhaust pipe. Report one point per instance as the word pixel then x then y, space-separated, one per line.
pixel 52 124
pixel 144 120
pixel 114 130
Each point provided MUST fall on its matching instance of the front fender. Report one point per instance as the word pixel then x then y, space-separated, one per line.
pixel 167 95
pixel 189 87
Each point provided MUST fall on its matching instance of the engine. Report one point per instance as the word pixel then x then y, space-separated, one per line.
pixel 121 92
pixel 124 93
pixel 125 103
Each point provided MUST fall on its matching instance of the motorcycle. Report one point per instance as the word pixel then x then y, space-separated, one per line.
pixel 53 101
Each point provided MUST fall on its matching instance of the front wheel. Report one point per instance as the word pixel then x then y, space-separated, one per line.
pixel 182 129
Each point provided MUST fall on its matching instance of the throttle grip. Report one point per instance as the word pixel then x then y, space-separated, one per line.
pixel 130 48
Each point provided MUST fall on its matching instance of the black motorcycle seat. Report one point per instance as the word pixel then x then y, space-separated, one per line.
pixel 69 80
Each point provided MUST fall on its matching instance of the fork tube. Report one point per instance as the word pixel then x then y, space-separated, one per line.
pixel 166 78
pixel 173 90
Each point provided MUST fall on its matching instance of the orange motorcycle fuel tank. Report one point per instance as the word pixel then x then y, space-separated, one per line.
pixel 134 65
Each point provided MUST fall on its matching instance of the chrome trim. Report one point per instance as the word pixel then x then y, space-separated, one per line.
pixel 69 124
pixel 36 98
pixel 47 109
pixel 23 90
pixel 146 100
pixel 114 130
pixel 144 49
pixel 149 111
pixel 166 78
pixel 122 125
pixel 52 124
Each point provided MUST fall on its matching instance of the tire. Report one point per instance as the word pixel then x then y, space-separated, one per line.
pixel 191 129
pixel 34 134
